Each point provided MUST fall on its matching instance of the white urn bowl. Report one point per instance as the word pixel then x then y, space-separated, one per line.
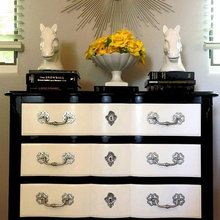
pixel 115 63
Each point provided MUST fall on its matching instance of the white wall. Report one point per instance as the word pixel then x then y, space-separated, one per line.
pixel 189 14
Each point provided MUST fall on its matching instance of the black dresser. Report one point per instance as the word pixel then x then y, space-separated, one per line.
pixel 111 155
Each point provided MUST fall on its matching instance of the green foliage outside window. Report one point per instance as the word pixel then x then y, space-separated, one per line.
pixel 7 24
pixel 6 57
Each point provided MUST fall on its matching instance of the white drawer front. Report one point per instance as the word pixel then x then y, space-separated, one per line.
pixel 30 207
pixel 79 125
pixel 89 200
pixel 166 160
pixel 82 160
pixel 112 119
pixel 142 194
pixel 111 201
pixel 38 160
pixel 111 160
pixel 89 119
pixel 191 116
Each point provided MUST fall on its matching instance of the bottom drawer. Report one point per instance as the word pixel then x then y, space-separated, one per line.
pixel 166 201
pixel 110 201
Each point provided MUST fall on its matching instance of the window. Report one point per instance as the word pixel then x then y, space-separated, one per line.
pixel 214 36
pixel 10 31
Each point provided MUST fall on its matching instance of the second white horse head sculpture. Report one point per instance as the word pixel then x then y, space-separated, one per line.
pixel 172 50
pixel 49 47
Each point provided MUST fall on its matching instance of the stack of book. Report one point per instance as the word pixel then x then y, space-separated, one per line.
pixel 52 80
pixel 171 81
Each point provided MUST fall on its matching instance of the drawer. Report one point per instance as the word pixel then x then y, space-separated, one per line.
pixel 75 197
pixel 111 160
pixel 166 201
pixel 75 160
pixel 167 119
pixel 85 119
pixel 162 160
pixel 35 116
pixel 87 200
pixel 112 119
pixel 55 160
pixel 110 201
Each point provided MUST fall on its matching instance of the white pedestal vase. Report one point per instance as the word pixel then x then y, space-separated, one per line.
pixel 115 63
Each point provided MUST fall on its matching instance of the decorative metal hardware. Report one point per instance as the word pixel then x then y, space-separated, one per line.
pixel 153 200
pixel 153 158
pixel 44 118
pixel 110 158
pixel 43 158
pixel 117 14
pixel 111 117
pixel 42 199
pixel 110 200
pixel 178 119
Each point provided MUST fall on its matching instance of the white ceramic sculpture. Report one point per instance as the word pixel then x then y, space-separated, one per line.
pixel 172 50
pixel 49 47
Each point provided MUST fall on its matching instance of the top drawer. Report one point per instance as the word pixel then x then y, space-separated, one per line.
pixel 111 119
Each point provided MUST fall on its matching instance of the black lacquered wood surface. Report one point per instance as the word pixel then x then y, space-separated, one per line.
pixel 19 97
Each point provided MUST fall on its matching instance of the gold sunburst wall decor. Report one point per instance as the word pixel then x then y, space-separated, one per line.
pixel 117 14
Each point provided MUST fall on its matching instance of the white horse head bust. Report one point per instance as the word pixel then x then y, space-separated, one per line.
pixel 172 50
pixel 49 47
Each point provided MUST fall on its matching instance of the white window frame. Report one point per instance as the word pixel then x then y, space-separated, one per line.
pixel 16 46
pixel 212 45
pixel 11 68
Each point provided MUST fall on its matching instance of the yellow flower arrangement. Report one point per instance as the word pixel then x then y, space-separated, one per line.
pixel 122 42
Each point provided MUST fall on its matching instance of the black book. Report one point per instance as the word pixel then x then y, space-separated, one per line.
pixel 122 89
pixel 170 88
pixel 53 71
pixel 171 82
pixel 52 80
pixel 171 75
pixel 46 77
pixel 34 88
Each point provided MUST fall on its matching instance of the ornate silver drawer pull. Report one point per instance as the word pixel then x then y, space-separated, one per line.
pixel 42 199
pixel 110 158
pixel 153 158
pixel 43 158
pixel 111 117
pixel 44 118
pixel 110 199
pixel 153 200
pixel 178 119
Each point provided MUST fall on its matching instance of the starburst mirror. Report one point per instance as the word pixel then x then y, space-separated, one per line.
pixel 117 14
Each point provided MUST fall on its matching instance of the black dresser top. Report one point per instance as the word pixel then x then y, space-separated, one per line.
pixel 142 93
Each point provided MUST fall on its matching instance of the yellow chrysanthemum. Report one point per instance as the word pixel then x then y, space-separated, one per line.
pixel 126 33
pixel 90 52
pixel 122 42
pixel 118 40
pixel 113 49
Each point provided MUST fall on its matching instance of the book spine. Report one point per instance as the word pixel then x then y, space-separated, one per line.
pixel 169 88
pixel 171 75
pixel 172 82
pixel 53 72
pixel 44 78
pixel 50 88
